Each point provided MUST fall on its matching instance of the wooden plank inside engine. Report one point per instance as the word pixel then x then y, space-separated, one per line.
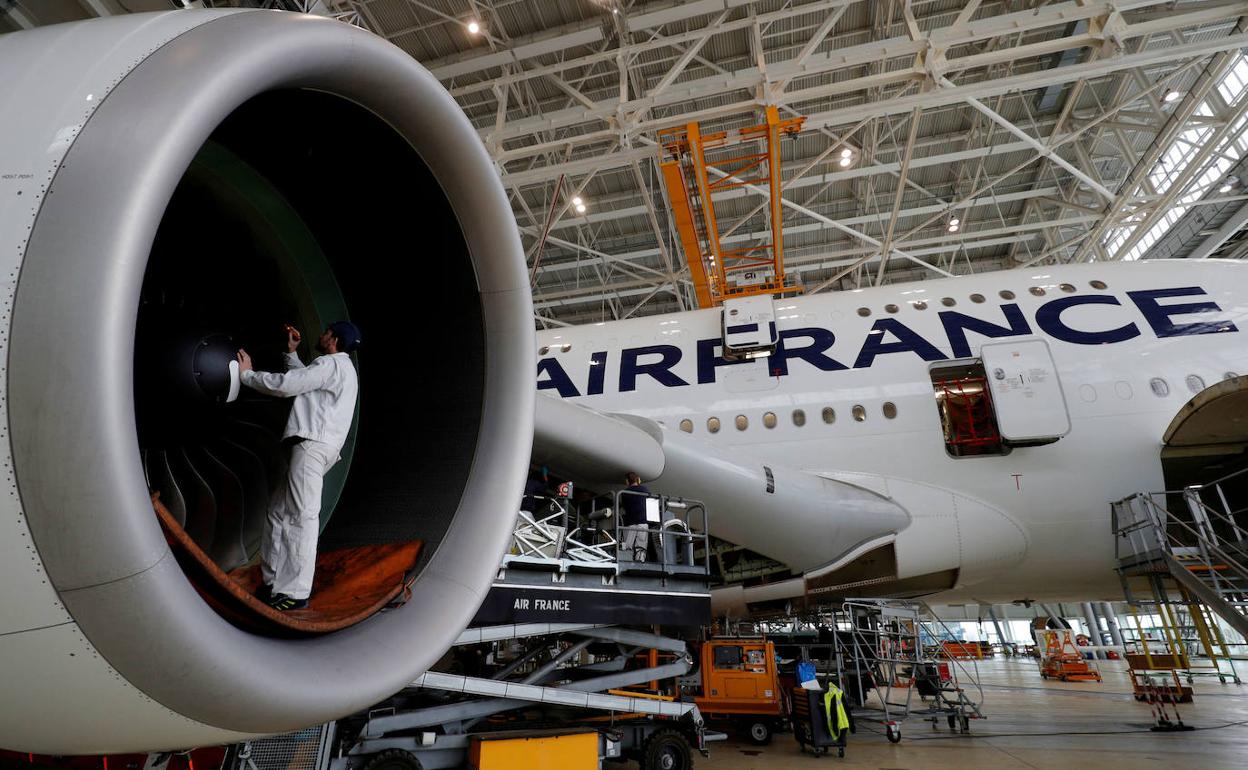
pixel 351 584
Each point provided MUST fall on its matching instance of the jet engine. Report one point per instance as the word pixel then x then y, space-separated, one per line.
pixel 176 186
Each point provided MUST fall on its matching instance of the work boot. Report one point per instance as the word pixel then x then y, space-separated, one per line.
pixel 284 603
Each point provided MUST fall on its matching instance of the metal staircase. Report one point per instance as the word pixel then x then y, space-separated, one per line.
pixel 1195 537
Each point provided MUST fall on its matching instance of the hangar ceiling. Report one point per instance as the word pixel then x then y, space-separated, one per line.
pixel 1052 132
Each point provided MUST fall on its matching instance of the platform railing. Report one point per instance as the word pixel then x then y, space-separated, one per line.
pixel 1194 536
pixel 541 527
pixel 553 528
pixel 1147 525
pixel 673 531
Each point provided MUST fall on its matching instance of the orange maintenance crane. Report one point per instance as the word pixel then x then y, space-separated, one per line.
pixel 692 182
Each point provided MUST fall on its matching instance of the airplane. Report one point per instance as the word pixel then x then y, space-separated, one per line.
pixel 849 438
pixel 172 184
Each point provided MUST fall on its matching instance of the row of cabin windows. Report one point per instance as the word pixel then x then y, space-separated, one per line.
pixel 1005 294
pixel 859 413
pixel 963 399
pixel 1195 383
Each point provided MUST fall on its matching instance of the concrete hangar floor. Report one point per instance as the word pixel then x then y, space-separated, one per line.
pixel 1033 723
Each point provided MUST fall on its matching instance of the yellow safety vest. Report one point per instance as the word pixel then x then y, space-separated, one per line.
pixel 835 695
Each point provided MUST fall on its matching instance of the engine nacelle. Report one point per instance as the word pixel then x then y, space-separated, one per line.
pixel 180 175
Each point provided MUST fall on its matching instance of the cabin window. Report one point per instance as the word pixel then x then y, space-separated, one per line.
pixel 1068 288
pixel 742 422
pixel 686 425
pixel 891 308
pixel 829 415
pixel 919 304
pixel 543 350
pixel 967 418
pixel 799 417
pixel 859 412
pixel 565 348
pixel 1195 383
pixel 769 420
pixel 948 301
pixel 890 410
pixel 864 311
pixel 1160 387
pixel 977 298
pixel 1098 284
pixel 1006 294
pixel 1037 290
pixel 712 424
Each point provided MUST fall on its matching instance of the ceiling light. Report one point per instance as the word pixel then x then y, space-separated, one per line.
pixel 953 228
pixel 474 27
pixel 846 161
pixel 580 208
pixel 577 201
pixel 1226 188
pixel 847 153
pixel 1172 96
pixel 955 221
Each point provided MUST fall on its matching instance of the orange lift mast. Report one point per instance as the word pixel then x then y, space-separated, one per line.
pixel 690 190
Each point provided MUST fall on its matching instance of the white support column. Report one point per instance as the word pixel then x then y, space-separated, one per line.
pixel 1111 620
pixel 1094 629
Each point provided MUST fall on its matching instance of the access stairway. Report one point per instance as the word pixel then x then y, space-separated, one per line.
pixel 1196 536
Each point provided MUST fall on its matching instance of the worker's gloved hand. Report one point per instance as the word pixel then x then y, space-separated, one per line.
pixel 244 361
pixel 293 338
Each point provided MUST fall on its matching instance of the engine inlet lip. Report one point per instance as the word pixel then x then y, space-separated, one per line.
pixel 71 406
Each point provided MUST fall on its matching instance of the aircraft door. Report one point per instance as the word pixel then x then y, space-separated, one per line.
pixel 1026 392
pixel 749 327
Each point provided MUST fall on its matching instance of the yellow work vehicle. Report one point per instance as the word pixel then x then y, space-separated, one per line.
pixel 736 680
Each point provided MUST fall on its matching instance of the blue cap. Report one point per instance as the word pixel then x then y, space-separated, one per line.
pixel 348 335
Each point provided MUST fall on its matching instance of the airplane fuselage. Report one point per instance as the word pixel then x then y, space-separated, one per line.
pixel 849 391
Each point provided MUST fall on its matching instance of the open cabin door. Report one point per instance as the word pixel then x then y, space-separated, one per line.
pixel 1008 397
pixel 749 327
pixel 1026 392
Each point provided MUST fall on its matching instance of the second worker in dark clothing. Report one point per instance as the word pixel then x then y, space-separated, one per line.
pixel 536 490
pixel 634 538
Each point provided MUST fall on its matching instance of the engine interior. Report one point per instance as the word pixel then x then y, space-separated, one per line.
pixel 263 230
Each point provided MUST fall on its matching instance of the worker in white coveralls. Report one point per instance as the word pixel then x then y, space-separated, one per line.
pixel 320 419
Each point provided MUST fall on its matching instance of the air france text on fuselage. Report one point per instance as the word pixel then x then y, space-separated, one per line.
pixel 1170 312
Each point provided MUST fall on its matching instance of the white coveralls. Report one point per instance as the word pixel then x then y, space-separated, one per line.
pixel 324 406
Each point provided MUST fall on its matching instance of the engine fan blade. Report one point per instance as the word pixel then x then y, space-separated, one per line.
pixel 160 478
pixel 250 472
pixel 264 444
pixel 201 506
pixel 227 541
